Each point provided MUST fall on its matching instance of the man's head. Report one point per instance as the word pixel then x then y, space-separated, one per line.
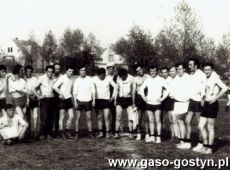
pixel 17 70
pixel 193 64
pixel 10 110
pixel 69 71
pixel 208 68
pixel 180 67
pixel 139 70
pixel 110 68
pixel 164 72
pixel 57 69
pixel 82 70
pixel 2 71
pixel 172 71
pixel 123 73
pixel 153 70
pixel 101 73
pixel 28 70
pixel 49 71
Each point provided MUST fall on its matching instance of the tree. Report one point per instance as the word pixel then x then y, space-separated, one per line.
pixel 49 46
pixel 136 47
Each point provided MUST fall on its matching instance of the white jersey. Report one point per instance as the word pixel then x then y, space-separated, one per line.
pixel 138 81
pixel 212 86
pixel 30 83
pixel 102 87
pixel 3 87
pixel 16 85
pixel 125 86
pixel 155 88
pixel 46 85
pixel 84 89
pixel 197 86
pixel 65 84
pixel 179 88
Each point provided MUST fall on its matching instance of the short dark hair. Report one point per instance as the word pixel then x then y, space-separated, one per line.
pixel 122 72
pixel 208 64
pixel 82 66
pixel 29 67
pixel 2 67
pixel 69 67
pixel 101 71
pixel 17 69
pixel 153 66
pixel 9 106
pixel 195 61
pixel 181 63
pixel 137 65
pixel 171 66
pixel 49 67
pixel 164 68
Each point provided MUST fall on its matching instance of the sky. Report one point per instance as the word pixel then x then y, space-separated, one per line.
pixel 108 20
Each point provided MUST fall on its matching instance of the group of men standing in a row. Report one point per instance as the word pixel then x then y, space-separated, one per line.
pixel 168 90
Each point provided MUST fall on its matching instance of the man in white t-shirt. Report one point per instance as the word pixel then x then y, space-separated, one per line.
pixel 214 89
pixel 197 87
pixel 32 107
pixel 64 86
pixel 155 85
pixel 3 89
pixel 12 126
pixel 102 86
pixel 124 100
pixel 84 99
pixel 139 102
pixel 179 91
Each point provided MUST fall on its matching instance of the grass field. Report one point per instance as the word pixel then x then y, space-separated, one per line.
pixel 93 153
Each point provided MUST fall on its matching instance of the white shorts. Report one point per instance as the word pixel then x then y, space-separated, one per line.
pixel 180 107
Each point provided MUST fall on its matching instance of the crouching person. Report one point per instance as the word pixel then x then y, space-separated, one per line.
pixel 12 126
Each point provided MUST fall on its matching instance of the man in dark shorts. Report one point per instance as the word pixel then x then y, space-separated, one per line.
pixel 197 89
pixel 84 99
pixel 124 100
pixel 63 86
pixel 32 108
pixel 102 86
pixel 214 89
pixel 139 102
pixel 3 89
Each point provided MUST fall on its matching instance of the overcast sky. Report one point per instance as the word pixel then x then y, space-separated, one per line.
pixel 107 19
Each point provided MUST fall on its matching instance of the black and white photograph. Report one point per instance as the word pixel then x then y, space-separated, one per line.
pixel 114 84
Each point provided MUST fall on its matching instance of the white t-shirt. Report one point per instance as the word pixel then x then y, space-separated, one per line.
pixel 65 84
pixel 84 89
pixel 155 88
pixel 46 85
pixel 179 88
pixel 102 87
pixel 212 86
pixel 138 81
pixel 16 85
pixel 30 83
pixel 125 86
pixel 3 88
pixel 197 85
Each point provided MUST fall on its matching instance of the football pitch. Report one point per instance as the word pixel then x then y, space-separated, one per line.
pixel 94 153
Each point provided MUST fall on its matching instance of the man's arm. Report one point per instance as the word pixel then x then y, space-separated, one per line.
pixel 142 90
pixel 93 90
pixel 36 86
pixel 222 91
pixel 134 92
pixel 23 126
pixel 75 91
pixel 57 86
pixel 113 84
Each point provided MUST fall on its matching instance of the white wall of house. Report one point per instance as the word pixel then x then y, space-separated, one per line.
pixel 10 48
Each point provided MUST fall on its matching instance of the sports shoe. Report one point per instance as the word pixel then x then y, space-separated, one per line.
pixel 207 151
pixel 138 136
pixel 131 136
pixel 116 136
pixel 151 139
pixel 147 137
pixel 68 135
pixel 185 145
pixel 198 147
pixel 100 135
pixel 107 135
pixel 158 139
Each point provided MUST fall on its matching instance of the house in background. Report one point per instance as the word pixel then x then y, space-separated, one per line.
pixel 24 52
pixel 109 56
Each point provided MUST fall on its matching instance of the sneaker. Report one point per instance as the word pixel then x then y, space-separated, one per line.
pixel 49 137
pixel 116 136
pixel 198 147
pixel 158 139
pixel 185 145
pixel 207 151
pixel 138 136
pixel 90 136
pixel 68 135
pixel 76 137
pixel 147 137
pixel 131 136
pixel 151 139
pixel 107 135
pixel 178 144
pixel 100 135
